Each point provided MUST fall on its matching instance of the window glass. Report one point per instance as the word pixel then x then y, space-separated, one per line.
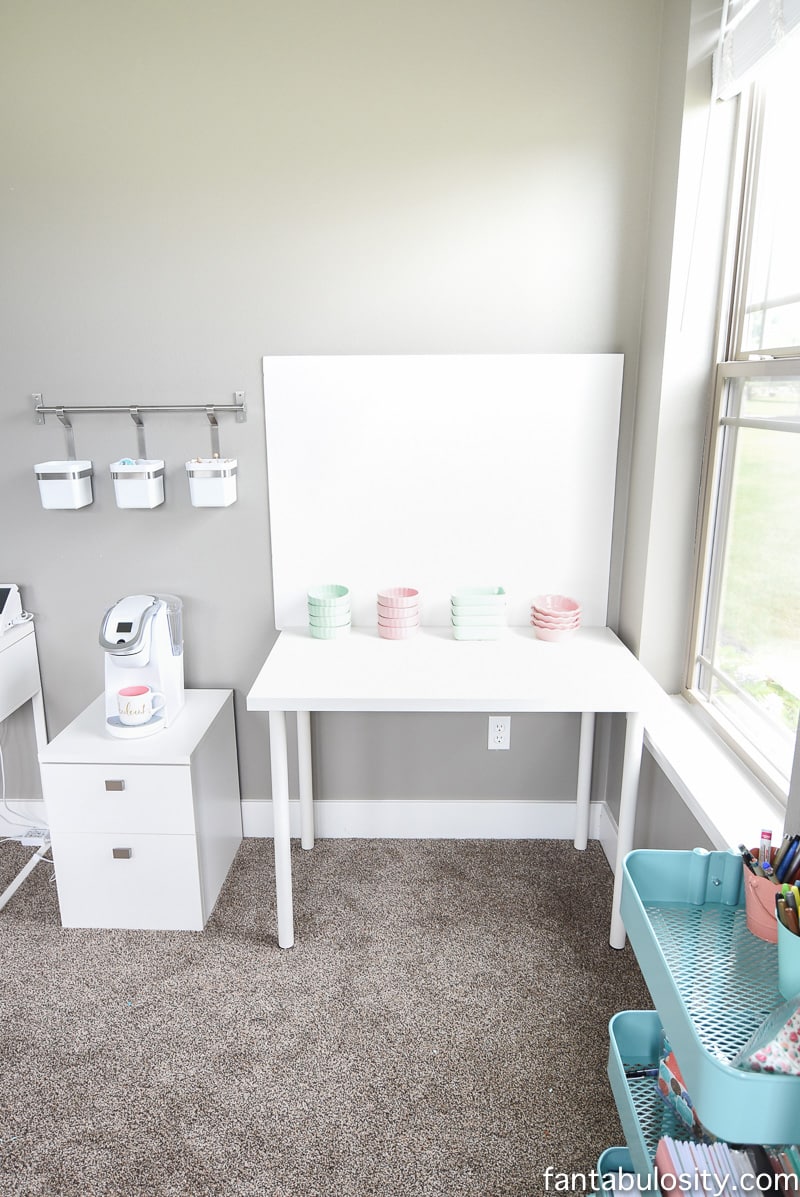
pixel 772 308
pixel 770 398
pixel 751 657
pixel 746 670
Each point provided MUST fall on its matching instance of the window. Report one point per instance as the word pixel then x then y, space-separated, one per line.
pixel 746 657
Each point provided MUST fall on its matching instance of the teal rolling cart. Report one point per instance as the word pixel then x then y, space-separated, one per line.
pixel 713 983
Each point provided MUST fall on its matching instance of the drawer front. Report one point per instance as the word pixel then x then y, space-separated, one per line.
pixel 151 882
pixel 134 798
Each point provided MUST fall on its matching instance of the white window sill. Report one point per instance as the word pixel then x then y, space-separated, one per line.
pixel 728 802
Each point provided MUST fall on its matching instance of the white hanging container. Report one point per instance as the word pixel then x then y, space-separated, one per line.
pixel 138 483
pixel 212 481
pixel 64 484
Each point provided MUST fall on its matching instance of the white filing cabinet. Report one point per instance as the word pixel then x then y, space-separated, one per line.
pixel 144 830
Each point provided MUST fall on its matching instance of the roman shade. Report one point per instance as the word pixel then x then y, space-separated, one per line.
pixel 751 31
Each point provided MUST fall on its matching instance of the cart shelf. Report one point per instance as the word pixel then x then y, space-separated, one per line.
pixel 713 983
pixel 635 1042
pixel 615 1172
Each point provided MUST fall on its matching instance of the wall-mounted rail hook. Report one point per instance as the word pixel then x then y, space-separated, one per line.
pixel 69 432
pixel 212 420
pixel 140 442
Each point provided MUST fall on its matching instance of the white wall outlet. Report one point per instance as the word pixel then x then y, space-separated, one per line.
pixel 499 731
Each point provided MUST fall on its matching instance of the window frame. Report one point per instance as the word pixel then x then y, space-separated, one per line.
pixel 732 364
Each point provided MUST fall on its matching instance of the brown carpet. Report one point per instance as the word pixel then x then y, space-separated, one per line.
pixel 439 1030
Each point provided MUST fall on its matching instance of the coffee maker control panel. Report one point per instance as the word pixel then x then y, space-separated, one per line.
pixel 126 623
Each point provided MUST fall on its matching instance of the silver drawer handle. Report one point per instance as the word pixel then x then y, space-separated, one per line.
pixel 122 853
pixel 115 785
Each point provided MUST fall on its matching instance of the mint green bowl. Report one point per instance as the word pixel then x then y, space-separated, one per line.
pixel 336 619
pixel 330 595
pixel 483 633
pixel 330 633
pixel 478 621
pixel 482 596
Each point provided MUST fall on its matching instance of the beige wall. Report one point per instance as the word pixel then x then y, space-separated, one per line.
pixel 190 185
pixel 691 181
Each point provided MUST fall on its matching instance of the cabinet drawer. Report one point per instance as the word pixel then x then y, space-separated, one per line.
pixel 133 798
pixel 150 882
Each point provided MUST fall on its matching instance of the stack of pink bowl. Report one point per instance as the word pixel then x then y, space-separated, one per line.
pixel 555 617
pixel 398 612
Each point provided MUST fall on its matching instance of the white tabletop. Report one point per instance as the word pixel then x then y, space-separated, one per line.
pixel 432 671
pixel 86 739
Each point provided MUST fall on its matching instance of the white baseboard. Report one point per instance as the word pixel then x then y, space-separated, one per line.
pixel 493 819
pixel 485 819
pixel 607 835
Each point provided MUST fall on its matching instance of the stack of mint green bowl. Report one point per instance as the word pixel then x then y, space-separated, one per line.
pixel 478 613
pixel 329 611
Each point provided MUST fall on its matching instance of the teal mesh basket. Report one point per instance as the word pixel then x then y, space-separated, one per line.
pixel 714 983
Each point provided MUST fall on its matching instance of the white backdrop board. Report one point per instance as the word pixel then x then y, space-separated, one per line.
pixel 439 472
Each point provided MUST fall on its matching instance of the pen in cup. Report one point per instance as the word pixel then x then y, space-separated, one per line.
pixel 751 862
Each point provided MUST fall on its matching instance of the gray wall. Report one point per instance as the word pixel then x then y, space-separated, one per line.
pixel 192 185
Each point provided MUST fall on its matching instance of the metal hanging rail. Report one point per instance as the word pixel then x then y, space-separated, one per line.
pixel 135 411
pixel 41 410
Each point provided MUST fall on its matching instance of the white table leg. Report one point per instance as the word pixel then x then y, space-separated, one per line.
pixel 11 889
pixel 305 778
pixel 583 805
pixel 39 724
pixel 629 794
pixel 280 813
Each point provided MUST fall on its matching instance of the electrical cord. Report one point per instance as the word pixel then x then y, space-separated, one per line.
pixel 21 820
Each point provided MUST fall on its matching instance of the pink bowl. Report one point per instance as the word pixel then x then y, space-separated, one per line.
pixel 397 633
pixel 556 604
pixel 399 596
pixel 553 634
pixel 398 612
pixel 557 616
pixel 547 621
pixel 410 621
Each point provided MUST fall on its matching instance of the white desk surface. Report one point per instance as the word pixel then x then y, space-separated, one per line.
pixel 86 739
pixel 432 671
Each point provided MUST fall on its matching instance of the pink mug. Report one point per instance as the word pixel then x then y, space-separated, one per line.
pixel 138 704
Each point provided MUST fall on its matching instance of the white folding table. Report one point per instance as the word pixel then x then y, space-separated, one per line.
pixel 20 682
pixel 589 674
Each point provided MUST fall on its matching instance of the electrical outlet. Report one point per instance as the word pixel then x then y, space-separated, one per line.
pixel 499 731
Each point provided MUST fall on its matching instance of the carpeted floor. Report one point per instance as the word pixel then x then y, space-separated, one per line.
pixel 438 1030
